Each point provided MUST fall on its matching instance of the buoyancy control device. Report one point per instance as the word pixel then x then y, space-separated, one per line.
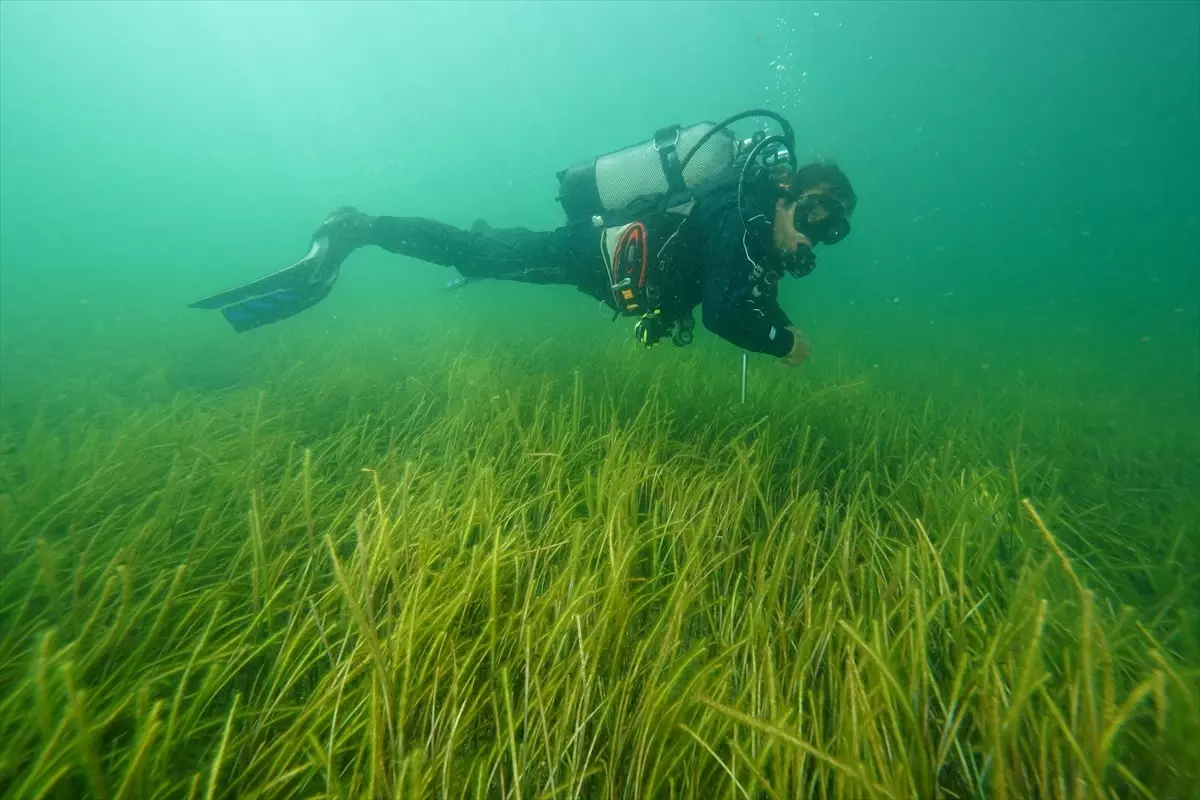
pixel 641 195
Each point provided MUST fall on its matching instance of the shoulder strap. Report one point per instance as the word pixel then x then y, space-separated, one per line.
pixel 666 142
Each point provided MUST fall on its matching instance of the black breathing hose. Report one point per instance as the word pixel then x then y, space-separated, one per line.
pixel 788 138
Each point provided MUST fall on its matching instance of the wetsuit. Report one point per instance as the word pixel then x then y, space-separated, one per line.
pixel 718 275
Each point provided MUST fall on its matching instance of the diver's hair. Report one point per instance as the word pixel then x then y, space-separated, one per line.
pixel 818 173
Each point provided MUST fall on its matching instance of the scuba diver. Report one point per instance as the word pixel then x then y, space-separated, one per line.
pixel 693 217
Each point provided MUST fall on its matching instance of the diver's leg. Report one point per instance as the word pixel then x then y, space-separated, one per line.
pixel 517 254
pixel 479 253
pixel 415 237
pixel 564 256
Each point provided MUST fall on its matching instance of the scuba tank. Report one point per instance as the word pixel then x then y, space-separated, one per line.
pixel 642 194
pixel 623 180
pixel 665 171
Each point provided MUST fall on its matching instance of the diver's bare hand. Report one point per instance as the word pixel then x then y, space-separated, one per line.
pixel 800 349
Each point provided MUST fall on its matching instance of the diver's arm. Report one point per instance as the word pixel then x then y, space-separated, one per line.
pixel 729 308
pixel 799 349
pixel 749 327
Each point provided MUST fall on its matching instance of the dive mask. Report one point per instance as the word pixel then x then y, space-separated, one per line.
pixel 821 217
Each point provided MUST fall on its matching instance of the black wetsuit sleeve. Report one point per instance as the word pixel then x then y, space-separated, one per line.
pixel 730 309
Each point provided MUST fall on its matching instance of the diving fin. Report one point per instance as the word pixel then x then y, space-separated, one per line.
pixel 281 294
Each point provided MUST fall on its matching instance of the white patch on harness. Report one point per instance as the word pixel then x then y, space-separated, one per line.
pixel 773 332
pixel 608 244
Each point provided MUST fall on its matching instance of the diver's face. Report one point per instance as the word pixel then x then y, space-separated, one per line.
pixel 787 238
pixel 819 215
pixel 816 216
pixel 795 248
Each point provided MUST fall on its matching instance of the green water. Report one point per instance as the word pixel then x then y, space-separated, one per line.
pixel 1022 283
pixel 1028 173
pixel 1029 179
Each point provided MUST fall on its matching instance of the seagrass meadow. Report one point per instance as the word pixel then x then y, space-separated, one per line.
pixel 499 572
pixel 431 540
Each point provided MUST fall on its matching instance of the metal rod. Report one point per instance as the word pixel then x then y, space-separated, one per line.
pixel 745 360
